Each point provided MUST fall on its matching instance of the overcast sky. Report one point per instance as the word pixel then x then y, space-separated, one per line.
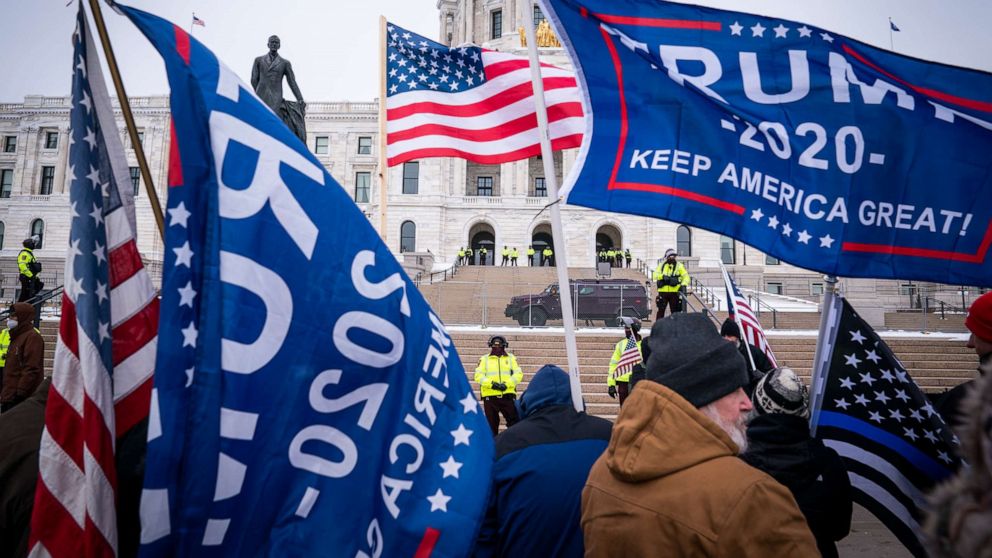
pixel 333 44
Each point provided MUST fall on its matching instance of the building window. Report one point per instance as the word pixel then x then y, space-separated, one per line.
pixel 135 178
pixel 907 289
pixel 408 237
pixel 683 241
pixel 364 145
pixel 816 289
pixel 728 252
pixel 775 288
pixel 3 229
pixel 38 231
pixel 538 16
pixel 363 183
pixel 51 140
pixel 540 187
pixel 771 260
pixel 6 182
pixel 141 138
pixel 484 186
pixel 320 145
pixel 496 24
pixel 9 144
pixel 47 180
pixel 411 177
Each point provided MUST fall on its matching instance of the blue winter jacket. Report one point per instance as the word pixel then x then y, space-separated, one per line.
pixel 541 467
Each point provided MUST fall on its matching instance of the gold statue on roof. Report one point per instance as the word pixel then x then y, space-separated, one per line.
pixel 545 36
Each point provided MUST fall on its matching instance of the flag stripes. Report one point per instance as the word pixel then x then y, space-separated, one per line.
pixel 472 103
pixel 740 311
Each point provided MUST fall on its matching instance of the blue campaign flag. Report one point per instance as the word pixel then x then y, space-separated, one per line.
pixel 815 148
pixel 307 400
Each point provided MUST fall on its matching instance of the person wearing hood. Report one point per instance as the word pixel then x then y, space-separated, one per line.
pixel 979 323
pixel 671 482
pixel 541 465
pixel 24 366
pixel 778 443
pixel 731 331
pixel 671 279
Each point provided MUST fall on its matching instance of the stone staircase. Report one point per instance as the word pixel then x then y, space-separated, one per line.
pixel 479 294
pixel 936 364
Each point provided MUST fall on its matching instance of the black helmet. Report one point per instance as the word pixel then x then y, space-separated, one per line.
pixel 498 338
pixel 29 243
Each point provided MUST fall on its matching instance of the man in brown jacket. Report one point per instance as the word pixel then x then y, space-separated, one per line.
pixel 670 483
pixel 24 368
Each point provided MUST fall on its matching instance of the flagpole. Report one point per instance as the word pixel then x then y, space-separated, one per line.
pixel 737 315
pixel 132 130
pixel 821 357
pixel 891 47
pixel 383 164
pixel 557 231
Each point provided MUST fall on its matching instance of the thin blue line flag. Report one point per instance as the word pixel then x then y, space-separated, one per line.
pixel 815 148
pixel 307 401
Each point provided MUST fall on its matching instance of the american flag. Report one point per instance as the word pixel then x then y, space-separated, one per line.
pixel 869 409
pixel 472 103
pixel 105 353
pixel 198 21
pixel 630 357
pixel 741 312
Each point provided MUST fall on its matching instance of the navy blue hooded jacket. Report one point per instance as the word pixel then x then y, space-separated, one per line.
pixel 542 463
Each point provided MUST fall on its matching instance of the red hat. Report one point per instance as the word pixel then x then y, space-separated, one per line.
pixel 979 319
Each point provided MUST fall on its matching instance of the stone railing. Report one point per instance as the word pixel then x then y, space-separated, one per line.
pixel 344 106
pixel 482 200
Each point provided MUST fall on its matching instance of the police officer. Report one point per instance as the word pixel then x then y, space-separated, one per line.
pixel 469 255
pixel 548 254
pixel 602 255
pixel 506 256
pixel 498 373
pixel 611 256
pixel 483 252
pixel 621 365
pixel 514 254
pixel 626 255
pixel 530 255
pixel 461 256
pixel 4 345
pixel 28 267
pixel 671 278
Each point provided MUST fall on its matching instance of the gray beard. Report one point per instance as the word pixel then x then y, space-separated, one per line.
pixel 736 430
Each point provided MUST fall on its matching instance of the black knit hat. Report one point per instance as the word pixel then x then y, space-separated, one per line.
pixel 730 328
pixel 689 357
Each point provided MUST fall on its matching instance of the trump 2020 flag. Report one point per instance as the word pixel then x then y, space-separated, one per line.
pixel 815 148
pixel 307 400
pixel 868 408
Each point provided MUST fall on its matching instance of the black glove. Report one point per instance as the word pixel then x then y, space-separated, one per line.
pixel 612 390
pixel 499 386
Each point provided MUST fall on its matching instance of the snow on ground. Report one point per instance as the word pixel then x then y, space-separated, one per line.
pixel 615 331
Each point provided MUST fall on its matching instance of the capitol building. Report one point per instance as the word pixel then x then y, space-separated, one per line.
pixel 433 206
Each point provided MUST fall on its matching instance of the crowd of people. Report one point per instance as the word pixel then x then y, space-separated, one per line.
pixel 710 455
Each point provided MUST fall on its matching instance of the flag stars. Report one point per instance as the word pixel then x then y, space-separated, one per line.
pixel 74 248
pixel 901 395
pixel 469 404
pixel 846 383
pixel 187 294
pixel 90 138
pixel 781 31
pixel 103 330
pixel 86 102
pixel 842 403
pixel 439 501
pixel 94 176
pixel 100 253
pixel 826 37
pixel 910 433
pixel 786 230
pixel 857 337
pixel 757 214
pixel 189 376
pixel 461 435
pixel 184 255
pixel 929 435
pixel 867 379
pixel 736 28
pixel 875 416
pixel 757 30
pixel 861 399
pixel 880 396
pixel 873 356
pixel 189 335
pixel 393 88
pixel 450 468
pixel 179 215
pixel 805 31
pixel 804 237
pixel 915 415
pixel 826 241
pixel 852 360
pixel 887 376
pixel 901 375
pixel 77 289
pixel 101 291
pixel 772 222
pixel 942 455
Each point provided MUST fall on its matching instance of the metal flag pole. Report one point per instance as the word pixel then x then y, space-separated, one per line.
pixel 132 130
pixel 824 348
pixel 557 233
pixel 383 164
pixel 892 48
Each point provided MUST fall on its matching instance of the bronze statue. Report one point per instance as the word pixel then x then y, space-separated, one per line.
pixel 266 78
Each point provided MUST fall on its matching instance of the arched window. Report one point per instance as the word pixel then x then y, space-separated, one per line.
pixel 408 237
pixel 38 230
pixel 728 251
pixel 3 229
pixel 683 241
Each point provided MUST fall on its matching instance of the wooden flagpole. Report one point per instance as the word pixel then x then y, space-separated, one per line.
pixel 557 231
pixel 383 164
pixel 132 130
